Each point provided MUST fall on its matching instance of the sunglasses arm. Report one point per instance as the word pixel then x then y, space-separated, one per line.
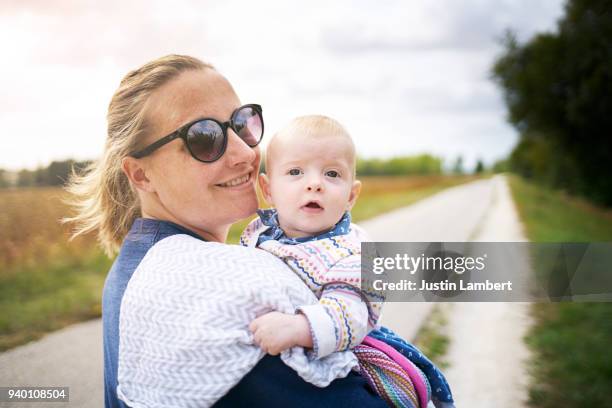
pixel 155 145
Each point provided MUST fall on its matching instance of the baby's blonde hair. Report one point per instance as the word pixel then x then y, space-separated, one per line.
pixel 318 126
pixel 103 197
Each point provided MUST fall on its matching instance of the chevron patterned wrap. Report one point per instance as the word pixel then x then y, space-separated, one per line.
pixel 184 338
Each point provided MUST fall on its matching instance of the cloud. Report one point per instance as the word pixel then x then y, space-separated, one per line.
pixel 403 76
pixel 425 26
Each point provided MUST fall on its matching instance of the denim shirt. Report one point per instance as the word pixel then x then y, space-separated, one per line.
pixel 270 383
pixel 142 236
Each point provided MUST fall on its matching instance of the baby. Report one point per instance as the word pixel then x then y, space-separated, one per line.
pixel 311 182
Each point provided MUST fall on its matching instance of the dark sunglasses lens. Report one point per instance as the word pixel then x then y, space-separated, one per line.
pixel 205 140
pixel 248 124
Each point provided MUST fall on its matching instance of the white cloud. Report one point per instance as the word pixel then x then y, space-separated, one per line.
pixel 404 77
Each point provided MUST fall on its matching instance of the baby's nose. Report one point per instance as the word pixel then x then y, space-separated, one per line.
pixel 314 184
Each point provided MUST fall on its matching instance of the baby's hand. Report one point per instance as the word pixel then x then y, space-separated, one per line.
pixel 275 332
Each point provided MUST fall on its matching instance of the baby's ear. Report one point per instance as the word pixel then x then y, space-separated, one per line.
pixel 264 185
pixel 355 190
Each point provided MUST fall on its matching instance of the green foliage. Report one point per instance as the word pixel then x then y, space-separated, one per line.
pixel 558 90
pixel 573 367
pixel 56 174
pixel 432 338
pixel 572 363
pixel 501 166
pixel 553 216
pixel 46 297
pixel 4 182
pixel 458 166
pixel 406 165
pixel 543 160
pixel 479 167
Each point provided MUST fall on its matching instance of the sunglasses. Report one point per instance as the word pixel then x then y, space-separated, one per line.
pixel 206 138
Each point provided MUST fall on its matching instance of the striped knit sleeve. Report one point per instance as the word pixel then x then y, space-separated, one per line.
pixel 342 317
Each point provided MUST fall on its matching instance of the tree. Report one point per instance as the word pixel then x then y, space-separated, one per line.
pixel 458 166
pixel 56 174
pixel 4 182
pixel 500 166
pixel 558 91
pixel 25 178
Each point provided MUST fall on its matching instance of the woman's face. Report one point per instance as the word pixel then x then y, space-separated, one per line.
pixel 203 197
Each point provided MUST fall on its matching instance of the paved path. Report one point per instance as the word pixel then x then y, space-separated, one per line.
pixel 73 356
pixel 487 354
pixel 455 214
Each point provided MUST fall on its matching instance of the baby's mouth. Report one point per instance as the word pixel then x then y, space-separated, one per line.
pixel 312 206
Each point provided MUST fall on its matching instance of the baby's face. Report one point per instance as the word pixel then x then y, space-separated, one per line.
pixel 310 182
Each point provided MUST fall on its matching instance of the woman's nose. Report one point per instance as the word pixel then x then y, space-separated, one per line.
pixel 238 151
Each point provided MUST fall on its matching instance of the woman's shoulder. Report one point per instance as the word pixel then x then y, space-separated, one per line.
pixel 182 245
pixel 182 254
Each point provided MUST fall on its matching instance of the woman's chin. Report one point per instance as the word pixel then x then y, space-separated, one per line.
pixel 247 209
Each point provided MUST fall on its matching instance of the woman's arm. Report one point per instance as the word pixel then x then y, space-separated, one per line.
pixel 271 383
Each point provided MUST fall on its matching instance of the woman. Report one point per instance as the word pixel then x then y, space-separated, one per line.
pixel 148 188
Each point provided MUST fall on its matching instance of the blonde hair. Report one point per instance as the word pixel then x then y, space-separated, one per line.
pixel 313 126
pixel 102 196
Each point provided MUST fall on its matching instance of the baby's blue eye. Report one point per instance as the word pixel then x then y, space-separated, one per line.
pixel 295 172
pixel 332 173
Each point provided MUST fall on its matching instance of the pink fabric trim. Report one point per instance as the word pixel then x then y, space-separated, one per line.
pixel 407 365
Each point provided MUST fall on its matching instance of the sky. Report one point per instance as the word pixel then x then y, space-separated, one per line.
pixel 404 77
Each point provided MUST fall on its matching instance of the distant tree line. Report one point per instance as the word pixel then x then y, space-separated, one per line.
pixel 4 179
pixel 55 174
pixel 459 168
pixel 421 164
pixel 558 91
pixel 58 172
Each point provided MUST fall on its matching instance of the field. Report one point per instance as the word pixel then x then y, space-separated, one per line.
pixel 572 362
pixel 45 281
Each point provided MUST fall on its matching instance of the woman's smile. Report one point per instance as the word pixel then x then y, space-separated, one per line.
pixel 238 182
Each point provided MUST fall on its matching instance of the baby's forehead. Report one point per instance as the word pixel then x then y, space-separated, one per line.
pixel 324 145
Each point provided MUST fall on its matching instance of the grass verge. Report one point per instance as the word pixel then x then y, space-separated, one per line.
pixel 35 301
pixel 432 338
pixel 572 362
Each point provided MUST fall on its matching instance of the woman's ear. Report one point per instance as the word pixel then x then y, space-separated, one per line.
pixel 264 184
pixel 355 190
pixel 135 171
